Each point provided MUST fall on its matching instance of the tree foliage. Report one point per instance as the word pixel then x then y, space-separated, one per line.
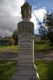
pixel 50 36
pixel 49 20
pixel 15 37
pixel 43 32
pixel 49 23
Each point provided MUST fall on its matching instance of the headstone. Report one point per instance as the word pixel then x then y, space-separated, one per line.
pixel 25 68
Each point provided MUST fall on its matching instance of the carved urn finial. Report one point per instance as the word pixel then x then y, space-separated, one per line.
pixel 26 10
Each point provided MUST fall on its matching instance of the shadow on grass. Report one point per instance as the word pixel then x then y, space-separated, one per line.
pixel 7 69
pixel 50 70
pixel 45 69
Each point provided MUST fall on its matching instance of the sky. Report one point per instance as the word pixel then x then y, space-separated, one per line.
pixel 10 14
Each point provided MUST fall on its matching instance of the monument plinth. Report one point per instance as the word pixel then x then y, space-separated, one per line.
pixel 25 68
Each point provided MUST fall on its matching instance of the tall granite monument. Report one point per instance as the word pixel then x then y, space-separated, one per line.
pixel 25 69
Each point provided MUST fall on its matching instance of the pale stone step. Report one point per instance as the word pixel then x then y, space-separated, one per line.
pixel 26 77
pixel 22 63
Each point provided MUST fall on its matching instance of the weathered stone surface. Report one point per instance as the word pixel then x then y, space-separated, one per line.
pixel 25 68
pixel 26 27
pixel 26 10
pixel 25 73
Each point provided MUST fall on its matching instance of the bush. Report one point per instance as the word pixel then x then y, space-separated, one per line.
pixel 50 36
pixel 40 42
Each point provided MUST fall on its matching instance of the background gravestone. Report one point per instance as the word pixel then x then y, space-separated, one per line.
pixel 25 68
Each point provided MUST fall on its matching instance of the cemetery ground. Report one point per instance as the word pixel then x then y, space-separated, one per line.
pixel 43 61
pixel 44 68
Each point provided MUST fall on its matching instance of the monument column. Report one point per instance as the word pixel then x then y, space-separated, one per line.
pixel 25 68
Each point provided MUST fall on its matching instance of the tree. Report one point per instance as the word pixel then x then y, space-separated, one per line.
pixel 50 36
pixel 42 31
pixel 15 37
pixel 48 21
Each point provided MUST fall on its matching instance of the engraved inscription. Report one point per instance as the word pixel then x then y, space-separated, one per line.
pixel 25 43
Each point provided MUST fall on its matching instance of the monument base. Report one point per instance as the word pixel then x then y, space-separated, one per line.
pixel 25 72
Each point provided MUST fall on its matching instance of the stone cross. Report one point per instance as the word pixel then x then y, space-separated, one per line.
pixel 25 68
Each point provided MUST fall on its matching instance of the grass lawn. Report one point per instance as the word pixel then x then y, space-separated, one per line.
pixel 7 69
pixel 8 48
pixel 45 69
pixel 37 46
pixel 42 46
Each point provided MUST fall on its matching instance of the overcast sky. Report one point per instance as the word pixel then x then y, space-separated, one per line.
pixel 10 14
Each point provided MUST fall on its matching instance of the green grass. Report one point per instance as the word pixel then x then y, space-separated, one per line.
pixel 7 69
pixel 9 48
pixel 42 47
pixel 37 46
pixel 45 69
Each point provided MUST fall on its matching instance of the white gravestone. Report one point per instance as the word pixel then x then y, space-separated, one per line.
pixel 25 68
